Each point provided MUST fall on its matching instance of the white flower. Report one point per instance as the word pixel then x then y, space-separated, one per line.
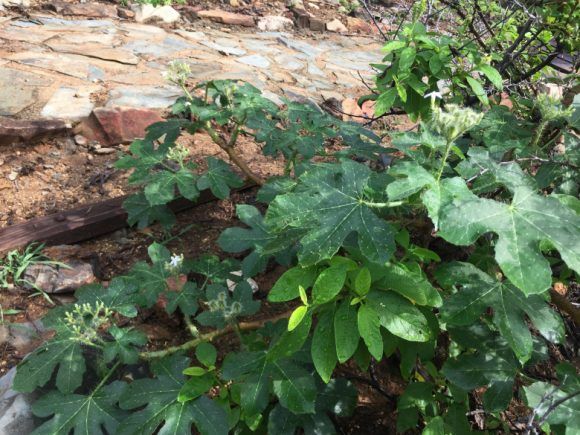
pixel 434 95
pixel 176 261
pixel 188 103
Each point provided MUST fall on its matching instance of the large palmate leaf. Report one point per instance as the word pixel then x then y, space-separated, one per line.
pixel 412 178
pixel 510 307
pixel 326 207
pixel 242 239
pixel 185 299
pixel 161 186
pixel 213 269
pixel 520 226
pixel 119 296
pixel 162 413
pixel 64 352
pixel 294 386
pixel 500 131
pixel 141 213
pixel 338 397
pixel 493 365
pixel 558 406
pixel 254 372
pixel 219 178
pixel 124 345
pixel 96 413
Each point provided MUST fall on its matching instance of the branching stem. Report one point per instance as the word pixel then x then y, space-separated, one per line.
pixel 209 336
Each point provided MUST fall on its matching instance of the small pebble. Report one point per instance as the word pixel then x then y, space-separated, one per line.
pixel 81 140
pixel 104 150
pixel 12 176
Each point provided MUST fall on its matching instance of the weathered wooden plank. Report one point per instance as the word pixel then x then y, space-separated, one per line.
pixel 83 223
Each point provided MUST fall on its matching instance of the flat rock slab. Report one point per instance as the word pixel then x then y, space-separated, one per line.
pixel 18 90
pixel 96 50
pixel 90 10
pixel 14 131
pixel 70 103
pixel 16 416
pixel 149 97
pixel 256 60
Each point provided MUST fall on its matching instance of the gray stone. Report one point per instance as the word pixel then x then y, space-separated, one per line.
pixel 166 48
pixel 256 60
pixel 314 70
pixel 288 62
pixel 274 98
pixel 193 36
pixel 224 49
pixel 51 21
pixel 53 279
pixel 260 46
pixel 70 65
pixel 16 416
pixel 151 97
pixel 18 90
pixel 301 46
pixel 70 103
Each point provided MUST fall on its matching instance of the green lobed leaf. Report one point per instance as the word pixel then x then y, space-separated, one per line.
pixel 95 413
pixel 520 226
pixel 64 352
pixel 510 307
pixel 219 178
pixel 124 346
pixel 185 299
pixel 326 207
pixel 294 387
pixel 162 413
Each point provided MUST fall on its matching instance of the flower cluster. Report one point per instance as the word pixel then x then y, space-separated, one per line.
pixel 177 73
pixel 178 153
pixel 454 121
pixel 85 321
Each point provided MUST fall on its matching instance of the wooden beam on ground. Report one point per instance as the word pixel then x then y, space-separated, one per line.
pixel 84 223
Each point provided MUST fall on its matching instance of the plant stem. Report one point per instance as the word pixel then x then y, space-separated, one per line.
pixel 106 378
pixel 539 133
pixel 191 327
pixel 445 157
pixel 383 204
pixel 228 147
pixel 209 336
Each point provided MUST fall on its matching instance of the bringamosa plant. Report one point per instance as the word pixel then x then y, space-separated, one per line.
pixel 440 264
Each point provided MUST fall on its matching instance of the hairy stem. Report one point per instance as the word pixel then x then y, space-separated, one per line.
pixel 445 157
pixel 209 336
pixel 539 133
pixel 228 147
